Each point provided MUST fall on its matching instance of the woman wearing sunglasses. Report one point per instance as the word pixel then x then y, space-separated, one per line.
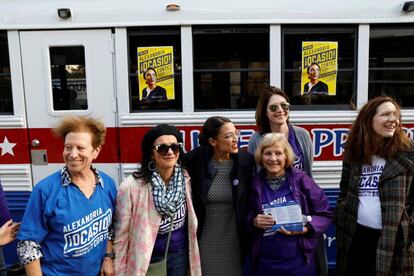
pixel 272 116
pixel 280 248
pixel 152 202
pixel 221 177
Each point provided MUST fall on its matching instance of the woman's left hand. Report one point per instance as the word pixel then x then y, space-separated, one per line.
pixel 293 233
pixel 107 268
pixel 8 232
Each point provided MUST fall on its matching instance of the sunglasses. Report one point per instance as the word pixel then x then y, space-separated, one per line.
pixel 275 107
pixel 163 149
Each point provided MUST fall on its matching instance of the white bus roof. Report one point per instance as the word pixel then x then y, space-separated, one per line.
pixel 30 14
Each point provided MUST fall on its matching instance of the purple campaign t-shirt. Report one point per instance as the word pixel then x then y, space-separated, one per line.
pixel 281 254
pixel 178 236
pixel 297 150
pixel 4 210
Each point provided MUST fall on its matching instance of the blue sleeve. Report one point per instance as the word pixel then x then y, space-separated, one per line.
pixel 4 210
pixel 34 225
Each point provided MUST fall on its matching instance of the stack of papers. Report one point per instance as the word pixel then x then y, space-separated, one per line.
pixel 288 215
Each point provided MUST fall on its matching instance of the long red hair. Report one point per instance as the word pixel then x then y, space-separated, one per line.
pixel 360 145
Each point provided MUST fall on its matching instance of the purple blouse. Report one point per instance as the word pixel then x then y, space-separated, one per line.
pixel 298 164
pixel 4 210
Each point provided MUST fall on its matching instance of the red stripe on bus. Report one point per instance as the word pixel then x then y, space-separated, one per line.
pixel 13 146
pixel 123 145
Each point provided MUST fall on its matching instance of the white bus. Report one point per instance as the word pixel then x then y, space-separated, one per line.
pixel 80 57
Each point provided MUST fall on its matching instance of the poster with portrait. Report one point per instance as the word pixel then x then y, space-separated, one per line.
pixel 156 73
pixel 319 68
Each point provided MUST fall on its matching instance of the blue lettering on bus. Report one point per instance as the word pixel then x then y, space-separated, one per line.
pixel 324 137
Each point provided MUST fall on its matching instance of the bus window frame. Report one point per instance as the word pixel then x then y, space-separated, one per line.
pixel 151 31
pixel 385 82
pixel 294 29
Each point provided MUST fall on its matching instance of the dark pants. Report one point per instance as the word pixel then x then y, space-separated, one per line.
pixel 363 251
pixel 177 262
pixel 3 271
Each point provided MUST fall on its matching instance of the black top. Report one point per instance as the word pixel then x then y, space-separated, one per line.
pixel 320 88
pixel 158 93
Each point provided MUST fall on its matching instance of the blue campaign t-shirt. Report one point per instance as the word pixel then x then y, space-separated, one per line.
pixel 71 229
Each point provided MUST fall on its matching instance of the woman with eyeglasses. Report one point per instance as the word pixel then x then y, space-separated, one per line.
pixel 272 116
pixel 152 202
pixel 315 86
pixel 221 179
pixel 374 214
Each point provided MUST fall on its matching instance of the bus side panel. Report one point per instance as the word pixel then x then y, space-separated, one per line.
pixel 14 146
pixel 17 202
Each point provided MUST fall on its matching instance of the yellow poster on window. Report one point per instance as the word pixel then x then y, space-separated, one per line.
pixel 156 73
pixel 319 68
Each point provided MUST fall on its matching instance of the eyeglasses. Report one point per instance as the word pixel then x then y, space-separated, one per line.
pixel 314 70
pixel 232 135
pixel 162 149
pixel 275 107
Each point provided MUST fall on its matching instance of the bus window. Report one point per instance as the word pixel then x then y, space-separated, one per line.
pixel 6 100
pixel 155 69
pixel 391 62
pixel 231 66
pixel 67 66
pixel 342 92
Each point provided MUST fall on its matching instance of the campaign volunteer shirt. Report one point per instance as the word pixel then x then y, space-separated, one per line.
pixel 369 210
pixel 179 237
pixel 71 229
pixel 280 254
pixel 297 150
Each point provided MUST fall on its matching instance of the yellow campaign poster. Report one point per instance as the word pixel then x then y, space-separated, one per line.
pixel 319 68
pixel 156 73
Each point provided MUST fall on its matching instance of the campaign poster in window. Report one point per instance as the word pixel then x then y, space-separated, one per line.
pixel 319 67
pixel 156 73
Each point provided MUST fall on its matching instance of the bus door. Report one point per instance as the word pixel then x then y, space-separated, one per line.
pixel 69 72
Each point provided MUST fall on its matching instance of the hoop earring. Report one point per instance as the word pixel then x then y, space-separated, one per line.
pixel 152 166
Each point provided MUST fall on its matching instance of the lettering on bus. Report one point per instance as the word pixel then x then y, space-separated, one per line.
pixel 243 139
pixel 324 137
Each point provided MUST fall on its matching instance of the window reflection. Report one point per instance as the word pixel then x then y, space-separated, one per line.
pixel 391 63
pixel 67 66
pixel 231 66
pixel 149 46
pixel 6 100
pixel 292 38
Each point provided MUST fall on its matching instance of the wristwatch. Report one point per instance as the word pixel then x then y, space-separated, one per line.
pixel 110 255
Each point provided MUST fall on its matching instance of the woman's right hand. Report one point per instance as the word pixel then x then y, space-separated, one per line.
pixel 263 221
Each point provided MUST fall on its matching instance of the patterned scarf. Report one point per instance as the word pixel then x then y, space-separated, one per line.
pixel 168 199
pixel 275 183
